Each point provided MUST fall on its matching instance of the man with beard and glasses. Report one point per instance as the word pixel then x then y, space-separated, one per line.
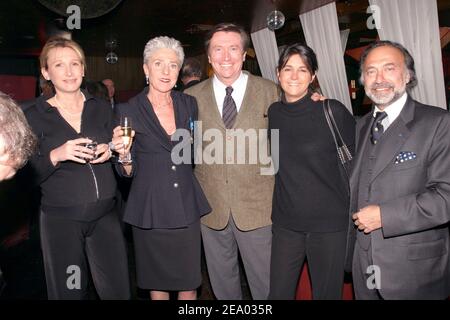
pixel 400 185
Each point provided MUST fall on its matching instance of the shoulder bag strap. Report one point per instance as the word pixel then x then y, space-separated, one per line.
pixel 343 148
pixel 326 110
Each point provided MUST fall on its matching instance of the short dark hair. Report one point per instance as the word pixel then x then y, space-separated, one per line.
pixel 191 68
pixel 306 53
pixel 228 27
pixel 409 60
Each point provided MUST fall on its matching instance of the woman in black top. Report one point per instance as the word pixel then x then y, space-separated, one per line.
pixel 310 201
pixel 165 201
pixel 78 226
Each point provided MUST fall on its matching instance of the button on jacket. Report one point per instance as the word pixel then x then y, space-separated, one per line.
pixel 163 194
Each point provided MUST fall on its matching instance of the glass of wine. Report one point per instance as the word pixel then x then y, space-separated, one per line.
pixel 125 125
pixel 92 146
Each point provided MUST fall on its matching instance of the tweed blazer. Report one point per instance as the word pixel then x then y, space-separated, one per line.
pixel 232 187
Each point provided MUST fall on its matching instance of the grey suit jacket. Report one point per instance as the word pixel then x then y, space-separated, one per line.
pixel 236 188
pixel 412 247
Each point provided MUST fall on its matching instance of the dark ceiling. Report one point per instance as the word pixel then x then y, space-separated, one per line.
pixel 26 24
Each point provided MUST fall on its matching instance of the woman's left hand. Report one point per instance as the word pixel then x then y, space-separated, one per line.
pixel 103 154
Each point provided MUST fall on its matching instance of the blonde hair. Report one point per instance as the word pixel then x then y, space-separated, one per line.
pixel 58 42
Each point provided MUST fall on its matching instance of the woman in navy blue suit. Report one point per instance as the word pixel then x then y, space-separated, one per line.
pixel 165 201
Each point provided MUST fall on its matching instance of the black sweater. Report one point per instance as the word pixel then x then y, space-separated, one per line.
pixel 82 192
pixel 310 191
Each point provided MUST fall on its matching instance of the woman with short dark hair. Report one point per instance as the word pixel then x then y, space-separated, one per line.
pixel 310 202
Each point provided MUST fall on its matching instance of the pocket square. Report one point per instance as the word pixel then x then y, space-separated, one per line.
pixel 405 156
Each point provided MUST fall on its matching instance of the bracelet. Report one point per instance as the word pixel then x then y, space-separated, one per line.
pixel 111 146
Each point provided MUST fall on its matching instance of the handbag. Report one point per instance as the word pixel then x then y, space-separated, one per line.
pixel 345 157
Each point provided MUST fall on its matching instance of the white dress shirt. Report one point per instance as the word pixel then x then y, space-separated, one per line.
pixel 392 111
pixel 238 93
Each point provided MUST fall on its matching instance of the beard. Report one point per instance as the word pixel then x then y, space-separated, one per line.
pixel 384 98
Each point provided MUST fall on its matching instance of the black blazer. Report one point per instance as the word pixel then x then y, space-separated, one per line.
pixel 163 194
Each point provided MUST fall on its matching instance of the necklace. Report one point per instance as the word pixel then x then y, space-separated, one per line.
pixel 168 102
pixel 66 110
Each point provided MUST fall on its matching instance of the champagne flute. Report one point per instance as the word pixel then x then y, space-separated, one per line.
pixel 125 125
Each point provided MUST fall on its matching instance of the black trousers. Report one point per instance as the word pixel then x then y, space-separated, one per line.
pixel 326 257
pixel 73 248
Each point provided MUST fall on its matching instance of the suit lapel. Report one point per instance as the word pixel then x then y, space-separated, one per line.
pixel 363 138
pixel 212 111
pixel 246 111
pixel 394 138
pixel 390 146
pixel 176 112
pixel 151 121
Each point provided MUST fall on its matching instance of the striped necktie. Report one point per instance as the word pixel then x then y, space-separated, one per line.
pixel 229 110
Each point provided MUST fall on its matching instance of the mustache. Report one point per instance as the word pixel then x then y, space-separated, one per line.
pixel 382 85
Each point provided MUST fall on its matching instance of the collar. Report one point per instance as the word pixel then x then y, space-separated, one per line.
pixel 43 106
pixel 305 97
pixel 238 83
pixel 394 109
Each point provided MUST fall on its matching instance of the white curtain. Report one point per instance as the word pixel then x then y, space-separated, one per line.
pixel 414 24
pixel 266 49
pixel 321 30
